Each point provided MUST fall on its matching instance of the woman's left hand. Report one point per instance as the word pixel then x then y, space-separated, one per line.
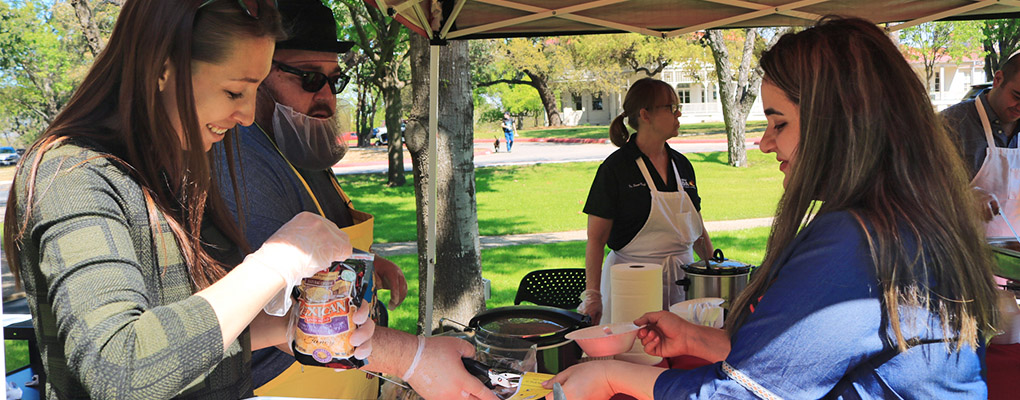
pixel 391 278
pixel 584 381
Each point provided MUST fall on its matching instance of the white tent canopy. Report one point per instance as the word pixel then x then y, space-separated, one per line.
pixel 441 20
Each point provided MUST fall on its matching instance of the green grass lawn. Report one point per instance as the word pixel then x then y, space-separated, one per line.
pixel 550 197
pixel 16 354
pixel 505 266
pixel 602 132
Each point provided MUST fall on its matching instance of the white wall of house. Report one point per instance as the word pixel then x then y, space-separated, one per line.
pixel 951 81
pixel 700 97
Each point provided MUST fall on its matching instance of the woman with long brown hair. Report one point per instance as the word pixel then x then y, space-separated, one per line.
pixel 876 281
pixel 107 208
pixel 643 202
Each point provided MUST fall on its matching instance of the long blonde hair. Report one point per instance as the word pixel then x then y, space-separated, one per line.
pixel 872 145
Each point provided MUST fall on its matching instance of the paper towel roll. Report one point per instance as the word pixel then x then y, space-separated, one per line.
pixel 636 289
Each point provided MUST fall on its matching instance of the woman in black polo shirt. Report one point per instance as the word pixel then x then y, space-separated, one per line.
pixel 635 204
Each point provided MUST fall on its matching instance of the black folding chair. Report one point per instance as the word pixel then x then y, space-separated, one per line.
pixel 559 287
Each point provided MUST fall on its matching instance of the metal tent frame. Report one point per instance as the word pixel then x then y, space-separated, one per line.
pixel 442 20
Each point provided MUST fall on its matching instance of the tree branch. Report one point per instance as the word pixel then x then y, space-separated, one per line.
pixel 507 81
pixel 88 26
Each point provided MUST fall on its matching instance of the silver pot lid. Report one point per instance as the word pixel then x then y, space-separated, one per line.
pixel 718 265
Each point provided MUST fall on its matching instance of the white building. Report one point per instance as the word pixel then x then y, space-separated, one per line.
pixel 951 80
pixel 700 97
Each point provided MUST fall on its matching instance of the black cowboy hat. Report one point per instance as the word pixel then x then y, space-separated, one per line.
pixel 310 26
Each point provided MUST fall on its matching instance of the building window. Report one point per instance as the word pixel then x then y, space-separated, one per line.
pixel 577 101
pixel 937 82
pixel 683 92
pixel 667 76
pixel 596 101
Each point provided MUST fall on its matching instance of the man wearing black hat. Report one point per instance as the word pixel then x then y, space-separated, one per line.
pixel 283 166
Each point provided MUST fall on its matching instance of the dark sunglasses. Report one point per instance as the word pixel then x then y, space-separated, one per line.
pixel 312 81
pixel 251 7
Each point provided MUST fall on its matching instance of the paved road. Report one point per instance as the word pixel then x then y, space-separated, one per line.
pixel 398 248
pixel 536 153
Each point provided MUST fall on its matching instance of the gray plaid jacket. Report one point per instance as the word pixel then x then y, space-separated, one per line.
pixel 112 304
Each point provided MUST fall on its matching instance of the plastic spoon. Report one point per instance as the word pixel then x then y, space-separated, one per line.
pixel 1008 225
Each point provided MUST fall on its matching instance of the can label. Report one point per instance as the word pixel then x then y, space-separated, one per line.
pixel 325 304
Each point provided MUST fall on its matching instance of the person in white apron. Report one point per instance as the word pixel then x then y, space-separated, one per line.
pixel 999 176
pixel 997 183
pixel 673 224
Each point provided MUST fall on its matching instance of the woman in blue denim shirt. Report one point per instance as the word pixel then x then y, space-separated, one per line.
pixel 876 282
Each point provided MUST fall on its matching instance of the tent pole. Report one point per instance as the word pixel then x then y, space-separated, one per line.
pixel 433 227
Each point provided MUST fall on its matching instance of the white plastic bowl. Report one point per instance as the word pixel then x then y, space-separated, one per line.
pixel 597 343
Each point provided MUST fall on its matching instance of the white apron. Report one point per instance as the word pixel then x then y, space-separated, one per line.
pixel 999 175
pixel 672 226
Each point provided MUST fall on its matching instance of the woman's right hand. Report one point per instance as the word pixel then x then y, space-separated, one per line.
pixel 303 246
pixel 664 333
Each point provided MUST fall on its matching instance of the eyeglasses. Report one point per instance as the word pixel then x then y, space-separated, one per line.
pixel 312 81
pixel 673 108
pixel 251 7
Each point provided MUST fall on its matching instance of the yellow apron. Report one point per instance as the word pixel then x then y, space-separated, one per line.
pixel 321 382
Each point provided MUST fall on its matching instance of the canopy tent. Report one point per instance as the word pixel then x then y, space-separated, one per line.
pixel 441 20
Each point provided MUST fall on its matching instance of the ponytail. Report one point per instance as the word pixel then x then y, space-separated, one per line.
pixel 644 93
pixel 618 133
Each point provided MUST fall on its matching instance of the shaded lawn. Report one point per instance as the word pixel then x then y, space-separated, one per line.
pixel 505 266
pixel 550 197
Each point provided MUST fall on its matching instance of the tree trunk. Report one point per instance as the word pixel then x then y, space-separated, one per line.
pixel 88 26
pixel 728 96
pixel 458 280
pixel 359 118
pixel 737 97
pixel 541 84
pixel 366 114
pixel 395 149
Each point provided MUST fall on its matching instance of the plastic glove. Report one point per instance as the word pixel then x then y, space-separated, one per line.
pixel 391 278
pixel 591 305
pixel 303 246
pixel 441 375
pixel 361 336
pixel 987 203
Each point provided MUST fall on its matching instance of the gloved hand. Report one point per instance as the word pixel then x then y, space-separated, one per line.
pixel 591 305
pixel 361 336
pixel 303 246
pixel 987 203
pixel 440 373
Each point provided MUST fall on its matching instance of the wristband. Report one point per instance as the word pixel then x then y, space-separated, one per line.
pixel 417 357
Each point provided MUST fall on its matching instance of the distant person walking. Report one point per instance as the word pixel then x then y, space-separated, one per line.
pixel 508 130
